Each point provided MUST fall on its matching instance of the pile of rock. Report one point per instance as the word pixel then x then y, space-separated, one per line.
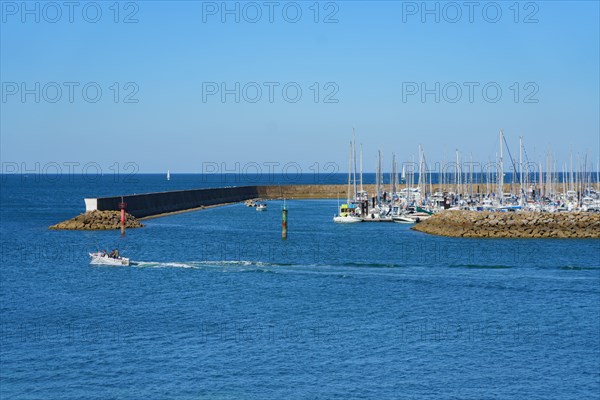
pixel 98 220
pixel 476 224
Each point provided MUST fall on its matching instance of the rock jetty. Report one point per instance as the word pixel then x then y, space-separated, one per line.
pixel 98 220
pixel 474 224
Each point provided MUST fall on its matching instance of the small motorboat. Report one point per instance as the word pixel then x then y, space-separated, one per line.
pixel 346 219
pixel 105 259
pixel 403 219
pixel 261 207
pixel 347 214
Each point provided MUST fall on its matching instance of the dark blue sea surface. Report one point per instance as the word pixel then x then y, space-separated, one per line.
pixel 219 307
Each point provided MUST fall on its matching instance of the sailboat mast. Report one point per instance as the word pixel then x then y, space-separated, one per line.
pixel 501 177
pixel 571 173
pixel 565 179
pixel 349 173
pixel 380 174
pixel 585 186
pixel 420 181
pixel 488 178
pixel 354 161
pixel 397 177
pixel 471 177
pixel 393 174
pixel 548 174
pixel 457 174
pixel 598 174
pixel 542 192
pixel 520 166
pixel 361 168
pixel 430 182
pixel 555 178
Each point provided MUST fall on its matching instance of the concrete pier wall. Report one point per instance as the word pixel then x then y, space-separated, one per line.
pixel 149 204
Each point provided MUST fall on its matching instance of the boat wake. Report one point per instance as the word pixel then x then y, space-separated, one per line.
pixel 480 266
pixel 578 268
pixel 207 264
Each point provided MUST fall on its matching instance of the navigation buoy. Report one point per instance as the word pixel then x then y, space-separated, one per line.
pixel 122 206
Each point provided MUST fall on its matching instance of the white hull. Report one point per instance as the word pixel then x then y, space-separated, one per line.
pixel 404 220
pixel 98 258
pixel 346 220
pixel 261 207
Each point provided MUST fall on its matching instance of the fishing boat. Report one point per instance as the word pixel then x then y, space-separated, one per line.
pixel 105 259
pixel 349 219
pixel 347 214
pixel 261 207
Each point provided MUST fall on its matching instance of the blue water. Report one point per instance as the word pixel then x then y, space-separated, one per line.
pixel 220 307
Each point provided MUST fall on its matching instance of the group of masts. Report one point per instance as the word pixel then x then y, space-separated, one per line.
pixel 420 188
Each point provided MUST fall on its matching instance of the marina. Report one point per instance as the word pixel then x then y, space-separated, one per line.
pixel 413 196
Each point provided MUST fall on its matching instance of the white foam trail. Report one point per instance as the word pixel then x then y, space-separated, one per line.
pixel 156 264
pixel 200 264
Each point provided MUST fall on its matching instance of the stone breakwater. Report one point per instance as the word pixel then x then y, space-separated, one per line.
pixel 97 221
pixel 474 224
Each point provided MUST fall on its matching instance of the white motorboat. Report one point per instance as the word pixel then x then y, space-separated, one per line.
pixel 411 217
pixel 403 219
pixel 261 207
pixel 105 259
pixel 346 219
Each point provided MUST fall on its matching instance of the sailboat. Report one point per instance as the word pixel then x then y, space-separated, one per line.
pixel 347 213
pixel 168 175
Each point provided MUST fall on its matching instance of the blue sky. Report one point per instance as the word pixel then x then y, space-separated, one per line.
pixel 369 61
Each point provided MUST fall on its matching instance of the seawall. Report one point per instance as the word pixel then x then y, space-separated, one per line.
pixel 150 204
pixel 154 204
pixel 474 224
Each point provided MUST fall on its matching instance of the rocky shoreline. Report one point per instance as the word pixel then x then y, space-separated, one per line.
pixel 98 221
pixel 475 224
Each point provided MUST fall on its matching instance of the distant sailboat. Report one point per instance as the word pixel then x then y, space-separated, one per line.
pixel 168 175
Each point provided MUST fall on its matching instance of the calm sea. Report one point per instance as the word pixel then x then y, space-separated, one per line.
pixel 219 307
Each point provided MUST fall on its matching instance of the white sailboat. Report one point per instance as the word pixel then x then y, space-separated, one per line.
pixel 347 213
pixel 168 175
